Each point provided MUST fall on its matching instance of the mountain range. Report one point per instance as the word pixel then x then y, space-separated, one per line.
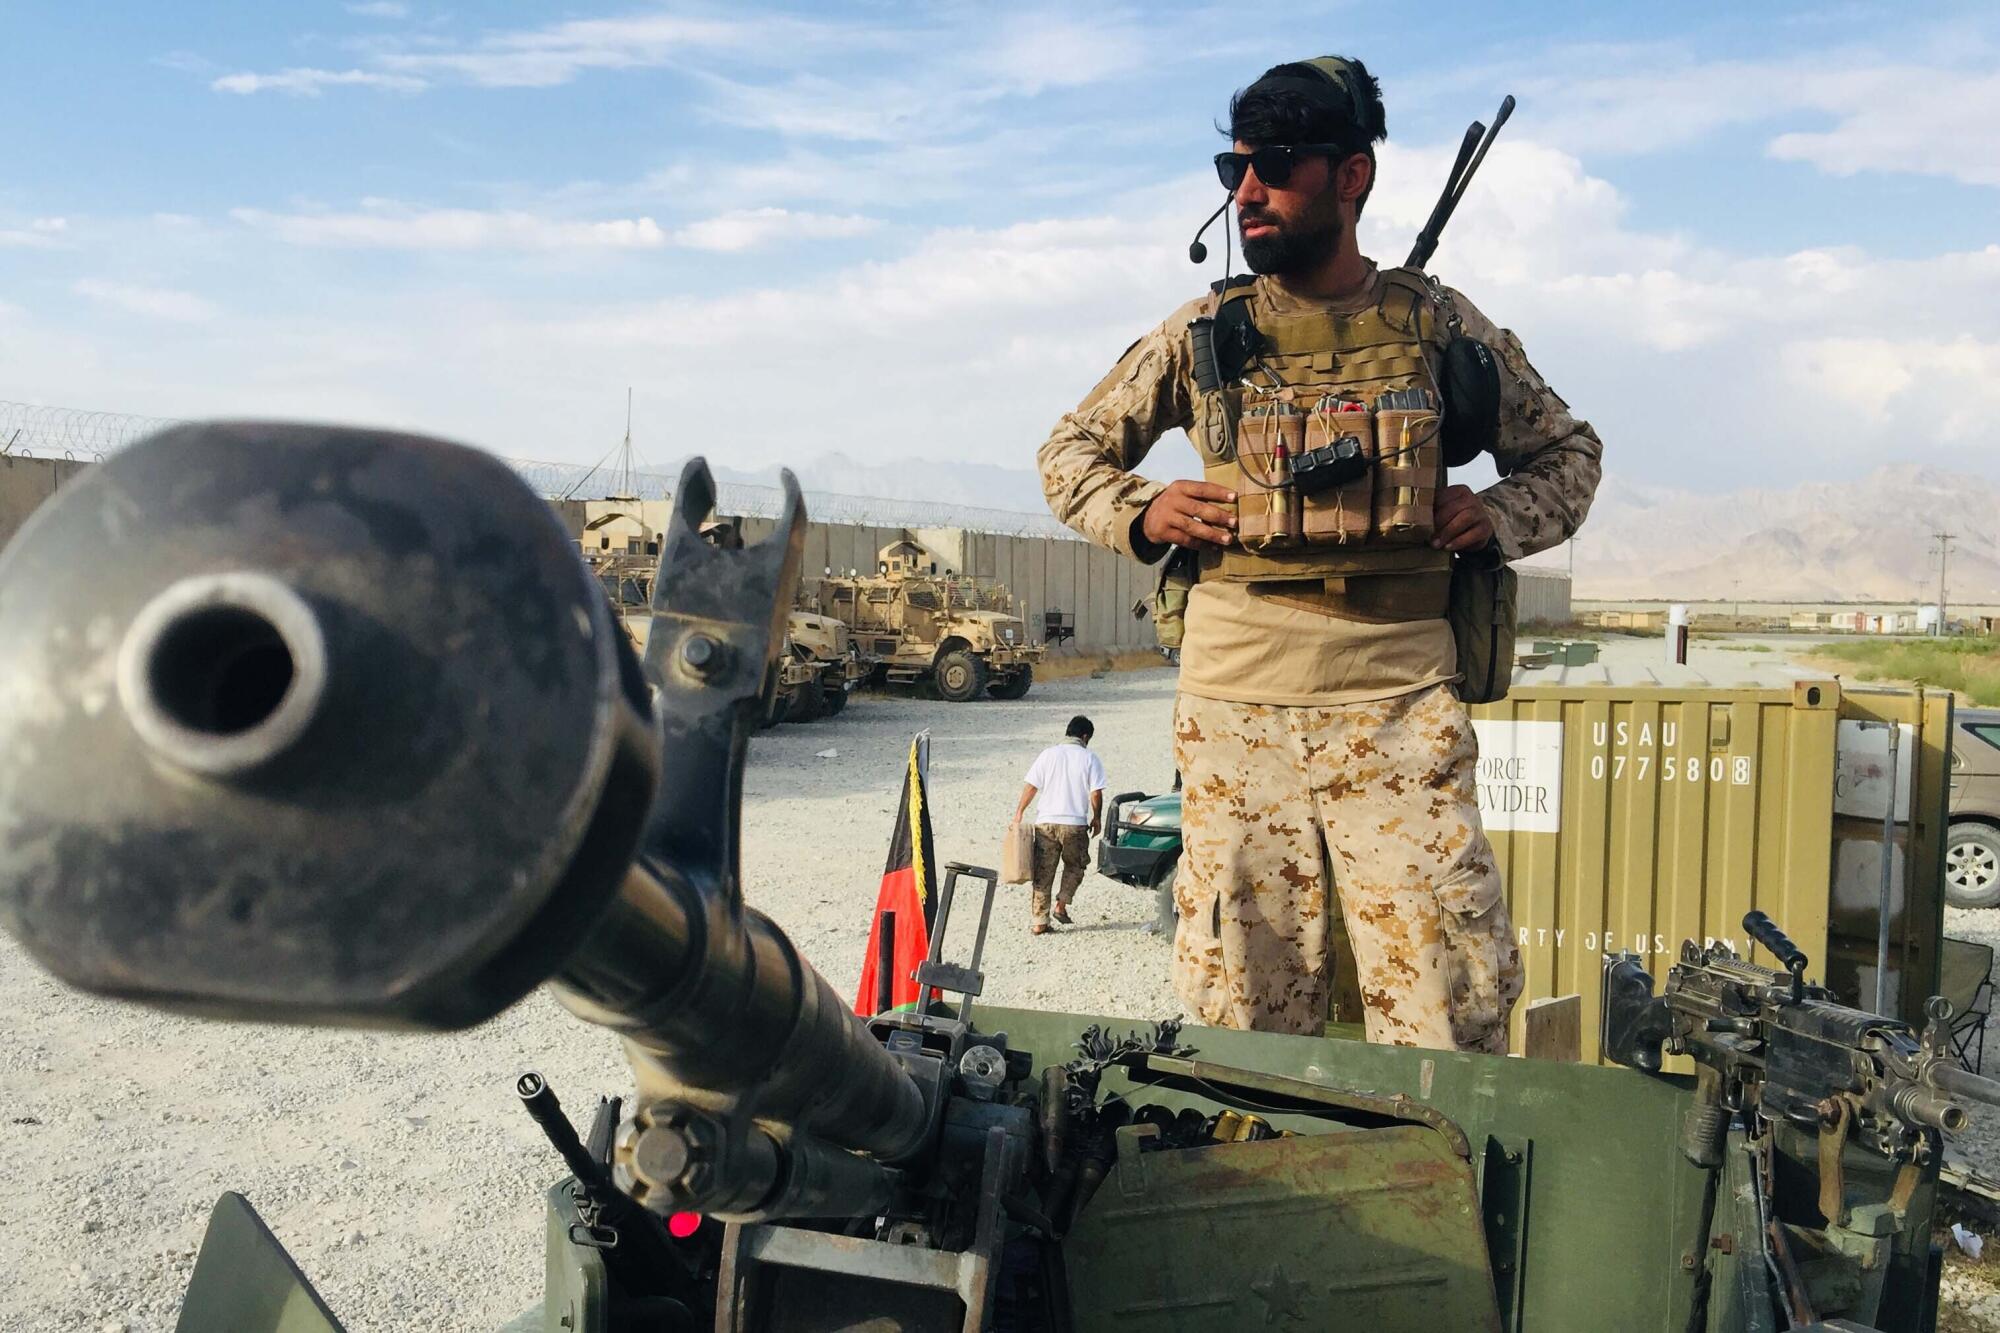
pixel 1867 539
pixel 1870 539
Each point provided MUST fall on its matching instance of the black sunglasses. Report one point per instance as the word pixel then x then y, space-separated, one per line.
pixel 1274 163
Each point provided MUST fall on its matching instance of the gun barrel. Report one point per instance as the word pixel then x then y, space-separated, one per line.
pixel 1963 1083
pixel 716 1005
pixel 1915 1104
pixel 328 725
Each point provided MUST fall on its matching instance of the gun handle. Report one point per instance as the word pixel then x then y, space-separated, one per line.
pixel 1790 957
pixel 1765 931
pixel 1705 1129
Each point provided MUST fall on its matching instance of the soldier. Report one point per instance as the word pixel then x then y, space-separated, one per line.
pixel 1317 726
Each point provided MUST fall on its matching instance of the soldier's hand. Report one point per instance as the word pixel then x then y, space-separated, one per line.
pixel 1190 513
pixel 1462 521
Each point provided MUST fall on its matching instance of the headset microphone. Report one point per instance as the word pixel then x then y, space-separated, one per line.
pixel 1197 252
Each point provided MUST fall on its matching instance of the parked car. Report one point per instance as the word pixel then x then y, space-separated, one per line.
pixel 1141 846
pixel 1972 845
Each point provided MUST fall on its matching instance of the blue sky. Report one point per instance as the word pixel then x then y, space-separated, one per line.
pixel 1748 244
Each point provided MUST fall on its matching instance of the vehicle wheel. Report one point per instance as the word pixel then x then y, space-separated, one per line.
pixel 1972 865
pixel 1166 912
pixel 835 701
pixel 806 706
pixel 960 676
pixel 1013 687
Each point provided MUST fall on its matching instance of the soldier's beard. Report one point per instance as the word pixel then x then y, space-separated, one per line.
pixel 1289 248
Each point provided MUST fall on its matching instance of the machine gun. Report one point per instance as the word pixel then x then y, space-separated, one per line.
pixel 1766 1041
pixel 1785 1068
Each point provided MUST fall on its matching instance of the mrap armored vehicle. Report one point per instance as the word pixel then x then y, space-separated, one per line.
pixel 329 726
pixel 817 665
pixel 958 634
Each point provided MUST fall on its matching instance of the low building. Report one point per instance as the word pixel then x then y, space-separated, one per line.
pixel 1636 622
pixel 1542 595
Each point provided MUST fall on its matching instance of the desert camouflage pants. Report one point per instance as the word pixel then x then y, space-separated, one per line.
pixel 1376 801
pixel 1068 843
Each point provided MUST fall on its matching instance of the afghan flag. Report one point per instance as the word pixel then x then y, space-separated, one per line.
pixel 908 892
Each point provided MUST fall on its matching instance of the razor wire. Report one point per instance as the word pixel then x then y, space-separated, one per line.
pixel 738 499
pixel 30 430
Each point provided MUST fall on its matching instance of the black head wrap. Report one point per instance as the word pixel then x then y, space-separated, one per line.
pixel 1336 85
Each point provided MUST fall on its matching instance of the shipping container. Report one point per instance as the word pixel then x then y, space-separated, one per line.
pixel 1564 652
pixel 1633 807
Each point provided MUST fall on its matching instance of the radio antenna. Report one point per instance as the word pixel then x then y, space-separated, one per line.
pixel 1471 152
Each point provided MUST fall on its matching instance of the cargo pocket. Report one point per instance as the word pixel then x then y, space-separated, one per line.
pixel 1409 462
pixel 1341 515
pixel 1484 976
pixel 1267 508
pixel 1197 903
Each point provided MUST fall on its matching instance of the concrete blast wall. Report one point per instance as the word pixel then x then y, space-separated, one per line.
pixel 1044 574
pixel 25 483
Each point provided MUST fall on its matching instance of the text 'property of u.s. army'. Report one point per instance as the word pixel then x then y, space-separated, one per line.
pixel 1520 775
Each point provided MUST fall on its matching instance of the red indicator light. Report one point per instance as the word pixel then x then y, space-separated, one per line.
pixel 682 1225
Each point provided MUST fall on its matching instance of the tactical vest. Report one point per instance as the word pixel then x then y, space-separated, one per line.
pixel 1313 393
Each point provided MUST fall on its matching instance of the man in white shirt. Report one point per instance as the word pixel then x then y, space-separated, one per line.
pixel 1066 782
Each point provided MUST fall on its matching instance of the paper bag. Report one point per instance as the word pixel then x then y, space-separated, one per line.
pixel 1017 854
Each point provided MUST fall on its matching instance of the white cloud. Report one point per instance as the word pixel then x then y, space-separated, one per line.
pixel 747 229
pixel 814 106
pixel 453 229
pixel 846 80
pixel 957 60
pixel 555 54
pixel 187 62
pixel 1882 378
pixel 1910 115
pixel 1695 363
pixel 312 82
pixel 1711 367
pixel 940 85
pixel 39 234
pixel 898 174
pixel 1033 51
pixel 152 302
pixel 1916 121
pixel 386 225
pixel 380 9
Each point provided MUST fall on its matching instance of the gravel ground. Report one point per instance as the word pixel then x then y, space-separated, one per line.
pixel 399 1170
pixel 1979 1146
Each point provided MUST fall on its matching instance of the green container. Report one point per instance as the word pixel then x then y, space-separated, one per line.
pixel 1626 814
pixel 1568 652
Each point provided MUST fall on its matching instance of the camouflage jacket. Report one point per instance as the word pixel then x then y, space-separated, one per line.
pixel 1549 461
